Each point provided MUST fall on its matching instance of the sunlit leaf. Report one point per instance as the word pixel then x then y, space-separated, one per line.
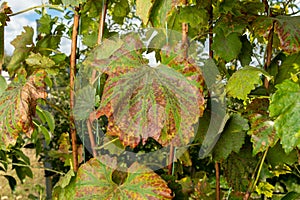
pixel 73 2
pixel 143 9
pixel 17 106
pixel 65 187
pixel 95 181
pixel 23 45
pixel 265 188
pixel 142 101
pixel 36 60
pixel 243 81
pixel 285 107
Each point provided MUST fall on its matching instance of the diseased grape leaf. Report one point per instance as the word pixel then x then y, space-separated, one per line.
pixel 227 47
pixel 95 180
pixel 288 31
pixel 17 106
pixel 262 129
pixel 232 138
pixel 285 108
pixel 244 80
pixel 142 101
pixel 23 45
pixel 239 167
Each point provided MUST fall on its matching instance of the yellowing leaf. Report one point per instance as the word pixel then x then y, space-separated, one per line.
pixel 17 106
pixel 143 9
pixel 243 81
pixel 265 188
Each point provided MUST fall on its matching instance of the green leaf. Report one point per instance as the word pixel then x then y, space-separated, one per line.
pixel 277 156
pixel 227 47
pixel 65 187
pixel 193 15
pixel 45 24
pixel 73 2
pixel 23 45
pixel 95 181
pixel 239 167
pixel 50 120
pixel 285 107
pixel 37 61
pixel 232 138
pixel 161 12
pixel 85 102
pixel 243 81
pixel 3 84
pixel 143 9
pixel 11 181
pixel 290 65
pixel 246 51
pixel 46 134
pixel 291 196
pixel 288 30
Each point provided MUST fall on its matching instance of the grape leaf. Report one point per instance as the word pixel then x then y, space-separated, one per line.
pixel 243 81
pixel 23 45
pixel 232 138
pixel 3 84
pixel 37 61
pixel 246 51
pixel 288 31
pixel 277 156
pixel 65 187
pixel 285 107
pixel 17 106
pixel 161 11
pixel 95 180
pixel 227 47
pixel 85 102
pixel 262 129
pixel 143 9
pixel 239 167
pixel 141 101
pixel 45 24
pixel 73 2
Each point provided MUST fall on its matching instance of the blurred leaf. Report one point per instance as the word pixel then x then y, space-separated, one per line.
pixel 285 107
pixel 232 138
pixel 73 2
pixel 37 61
pixel 239 167
pixel 193 15
pixel 291 196
pixel 65 187
pixel 277 156
pixel 3 84
pixel 85 102
pixel 11 181
pixel 265 188
pixel 227 47
pixel 23 45
pixel 288 30
pixel 17 105
pixel 246 51
pixel 94 181
pixel 244 80
pixel 143 9
pixel 46 133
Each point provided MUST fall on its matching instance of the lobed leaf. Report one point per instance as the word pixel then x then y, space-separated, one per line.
pixel 95 181
pixel 17 106
pixel 285 108
pixel 232 138
pixel 243 81
pixel 288 31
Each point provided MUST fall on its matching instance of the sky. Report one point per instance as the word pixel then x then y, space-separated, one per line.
pixel 15 25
